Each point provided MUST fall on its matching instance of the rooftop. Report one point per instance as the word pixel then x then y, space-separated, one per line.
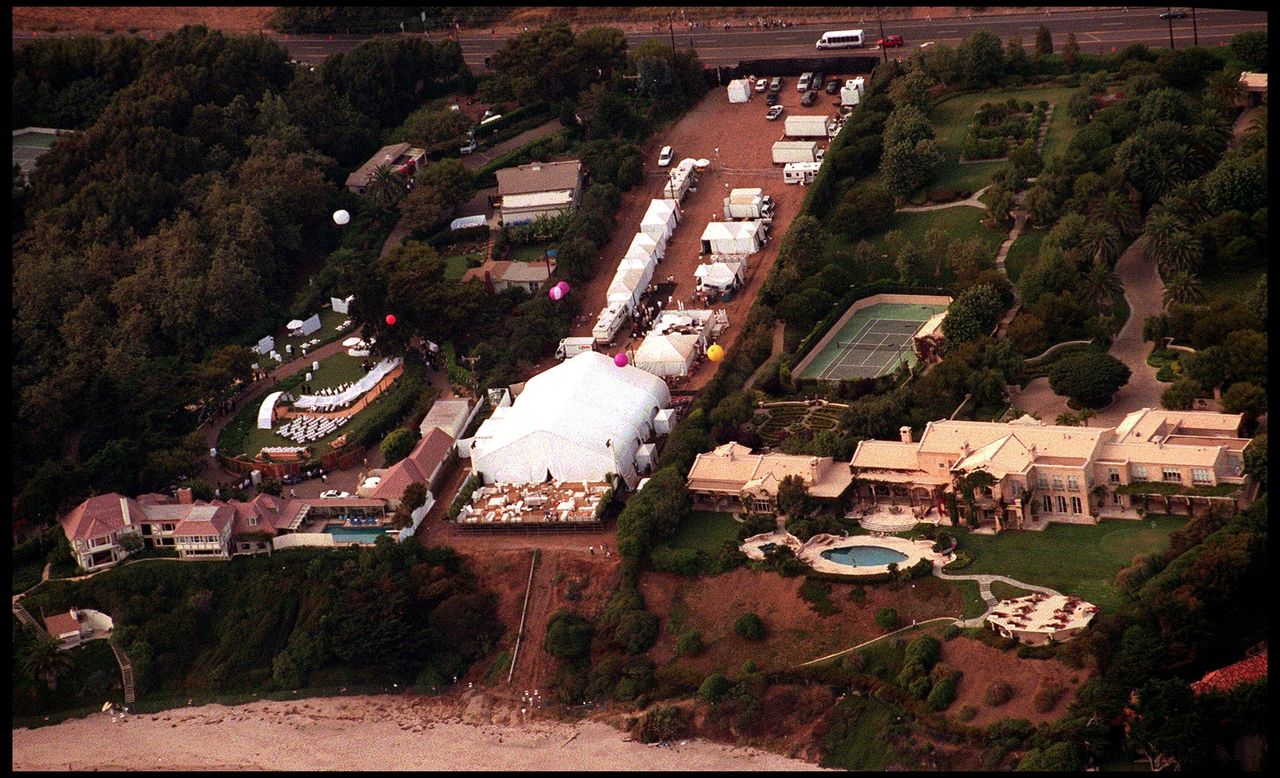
pixel 1225 679
pixel 732 468
pixel 1042 613
pixel 539 177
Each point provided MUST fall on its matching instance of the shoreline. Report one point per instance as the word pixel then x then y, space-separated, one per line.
pixel 375 732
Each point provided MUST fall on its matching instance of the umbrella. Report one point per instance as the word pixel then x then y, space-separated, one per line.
pixel 106 706
pixel 349 342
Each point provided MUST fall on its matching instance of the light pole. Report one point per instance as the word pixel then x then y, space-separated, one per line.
pixel 1169 19
pixel 1195 30
pixel 884 55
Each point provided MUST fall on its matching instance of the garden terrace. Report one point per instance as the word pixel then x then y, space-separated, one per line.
pixel 776 421
pixel 997 127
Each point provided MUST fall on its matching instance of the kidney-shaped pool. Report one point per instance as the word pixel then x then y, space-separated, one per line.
pixel 863 556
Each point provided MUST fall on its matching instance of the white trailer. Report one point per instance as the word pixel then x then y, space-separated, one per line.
pixel 807 127
pixel 739 90
pixel 785 151
pixel 571 347
pixel 608 323
pixel 800 172
pixel 853 91
pixel 748 204
pixel 679 181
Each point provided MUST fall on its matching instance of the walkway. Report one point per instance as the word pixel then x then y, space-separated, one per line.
pixel 779 330
pixel 479 159
pixel 984 591
pixel 1243 123
pixel 873 640
pixel 972 202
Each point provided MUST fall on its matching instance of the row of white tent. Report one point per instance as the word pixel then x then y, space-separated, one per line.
pixel 638 265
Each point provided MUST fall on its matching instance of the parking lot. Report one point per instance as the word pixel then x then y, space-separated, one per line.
pixel 738 141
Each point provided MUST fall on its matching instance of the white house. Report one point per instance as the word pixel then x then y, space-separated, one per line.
pixel 578 421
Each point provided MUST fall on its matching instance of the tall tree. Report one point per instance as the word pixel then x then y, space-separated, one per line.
pixel 1044 41
pixel 1183 287
pixel 1070 52
pixel 1100 285
pixel 46 661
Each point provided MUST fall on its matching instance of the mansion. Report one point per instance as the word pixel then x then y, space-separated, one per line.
pixel 1157 459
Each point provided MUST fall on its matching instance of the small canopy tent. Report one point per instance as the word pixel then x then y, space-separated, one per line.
pixel 628 285
pixel 659 221
pixel 739 90
pixel 731 238
pixel 667 355
pixel 719 275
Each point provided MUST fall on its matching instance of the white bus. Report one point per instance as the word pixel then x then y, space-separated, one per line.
pixel 839 39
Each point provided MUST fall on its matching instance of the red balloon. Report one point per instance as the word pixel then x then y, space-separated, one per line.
pixel 391 319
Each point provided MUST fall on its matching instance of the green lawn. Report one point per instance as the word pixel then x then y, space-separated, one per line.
pixel 705 531
pixel 457 264
pixel 951 119
pixel 1023 252
pixel 1233 284
pixel 1003 591
pixel 973 604
pixel 962 222
pixel 1071 558
pixel 527 254
pixel 329 320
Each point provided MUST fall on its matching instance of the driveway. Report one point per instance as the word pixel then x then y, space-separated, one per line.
pixel 479 159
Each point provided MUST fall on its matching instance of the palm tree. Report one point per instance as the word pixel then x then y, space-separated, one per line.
pixel 1100 285
pixel 1101 241
pixel 1161 225
pixel 1085 414
pixel 1187 202
pixel 1223 90
pixel 1118 210
pixel 386 188
pixel 1181 253
pixel 1212 129
pixel 45 661
pixel 1183 287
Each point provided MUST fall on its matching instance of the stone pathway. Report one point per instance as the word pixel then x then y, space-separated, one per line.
pixel 984 591
pixel 972 202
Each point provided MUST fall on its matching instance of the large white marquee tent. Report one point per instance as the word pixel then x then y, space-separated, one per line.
pixel 577 421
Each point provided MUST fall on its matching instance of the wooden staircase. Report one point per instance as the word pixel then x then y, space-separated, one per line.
pixel 26 618
pixel 126 671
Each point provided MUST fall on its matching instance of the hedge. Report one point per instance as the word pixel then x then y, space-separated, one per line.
pixel 464 494
pixel 385 412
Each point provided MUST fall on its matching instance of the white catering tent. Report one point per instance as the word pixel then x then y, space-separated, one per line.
pixel 667 355
pixel 353 392
pixel 465 222
pixel 645 245
pixel 660 220
pixel 267 410
pixel 732 238
pixel 739 90
pixel 719 275
pixel 266 345
pixel 307 327
pixel 646 262
pixel 578 421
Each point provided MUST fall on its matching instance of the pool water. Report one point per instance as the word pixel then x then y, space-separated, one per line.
pixel 345 535
pixel 863 556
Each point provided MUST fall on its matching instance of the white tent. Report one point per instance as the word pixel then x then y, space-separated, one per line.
pixel 646 262
pixel 340 305
pixel 294 324
pixel 628 285
pixel 266 411
pixel 739 90
pixel 353 392
pixel 659 221
pixel 643 245
pixel 464 222
pixel 719 275
pixel 577 421
pixel 667 355
pixel 307 327
pixel 266 345
pixel 732 238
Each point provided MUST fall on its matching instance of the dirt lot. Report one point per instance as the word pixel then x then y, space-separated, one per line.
pixel 744 139
pixel 145 19
pixel 983 664
pixel 794 632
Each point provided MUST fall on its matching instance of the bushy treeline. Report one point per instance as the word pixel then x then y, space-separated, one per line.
pixel 373 19
pixel 329 617
pixel 66 82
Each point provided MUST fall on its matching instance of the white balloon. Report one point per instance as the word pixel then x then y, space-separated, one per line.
pixel 341 217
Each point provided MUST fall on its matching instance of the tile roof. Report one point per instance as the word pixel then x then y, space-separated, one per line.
pixel 61 624
pixel 886 455
pixel 383 156
pixel 948 437
pixel 205 520
pixel 417 467
pixel 1224 679
pixel 539 177
pixel 101 515
pixel 731 468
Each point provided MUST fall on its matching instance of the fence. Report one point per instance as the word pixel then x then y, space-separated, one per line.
pixel 792 66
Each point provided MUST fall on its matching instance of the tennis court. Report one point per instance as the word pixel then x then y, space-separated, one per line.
pixel 870 342
pixel 28 146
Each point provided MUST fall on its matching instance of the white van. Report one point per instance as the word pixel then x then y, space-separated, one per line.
pixel 800 172
pixel 803 84
pixel 572 347
pixel 840 39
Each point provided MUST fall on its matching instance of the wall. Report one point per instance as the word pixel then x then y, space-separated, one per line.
pixel 298 539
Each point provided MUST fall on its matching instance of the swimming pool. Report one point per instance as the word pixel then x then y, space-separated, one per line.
pixel 863 556
pixel 346 535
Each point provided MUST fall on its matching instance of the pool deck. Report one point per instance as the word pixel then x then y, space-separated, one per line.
pixel 810 551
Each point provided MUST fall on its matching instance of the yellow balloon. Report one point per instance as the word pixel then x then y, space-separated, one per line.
pixel 715 353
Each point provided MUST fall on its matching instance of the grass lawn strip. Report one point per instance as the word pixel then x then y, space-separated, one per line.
pixel 1023 253
pixel 1071 558
pixel 456 265
pixel 705 531
pixel 1003 591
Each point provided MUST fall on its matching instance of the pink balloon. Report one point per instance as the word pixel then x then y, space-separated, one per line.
pixel 620 359
pixel 563 286
pixel 555 293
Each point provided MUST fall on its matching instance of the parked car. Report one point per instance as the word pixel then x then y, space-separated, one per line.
pixel 775 85
pixel 1174 15
pixel 890 42
pixel 467 149
pixel 774 113
pixel 334 494
pixel 771 98
pixel 818 79
pixel 762 84
pixel 664 156
pixel 808 98
pixel 833 86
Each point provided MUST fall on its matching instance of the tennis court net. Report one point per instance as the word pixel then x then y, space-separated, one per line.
pixel 884 348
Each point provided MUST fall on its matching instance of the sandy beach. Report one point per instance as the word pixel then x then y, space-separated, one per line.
pixel 393 732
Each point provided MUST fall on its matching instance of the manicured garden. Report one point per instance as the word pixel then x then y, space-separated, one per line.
pixel 777 421
pixel 1071 558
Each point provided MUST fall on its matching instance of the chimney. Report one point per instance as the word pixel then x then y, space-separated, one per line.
pixel 904 432
pixel 813 470
pixel 964 448
pixel 184 496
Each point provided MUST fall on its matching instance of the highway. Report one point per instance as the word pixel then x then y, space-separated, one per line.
pixel 1097 31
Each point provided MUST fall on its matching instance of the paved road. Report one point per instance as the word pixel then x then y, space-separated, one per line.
pixel 1144 291
pixel 1097 30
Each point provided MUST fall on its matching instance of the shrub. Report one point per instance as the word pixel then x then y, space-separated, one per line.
pixel 397 445
pixel 749 626
pixel 684 561
pixel 951 632
pixel 568 636
pixel 858 594
pixel 919 688
pixel 967 713
pixel 665 722
pixel 636 632
pixel 997 694
pixel 924 651
pixel 818 594
pixel 713 688
pixel 690 644
pixel 888 619
pixel 943 694
pixel 1048 693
